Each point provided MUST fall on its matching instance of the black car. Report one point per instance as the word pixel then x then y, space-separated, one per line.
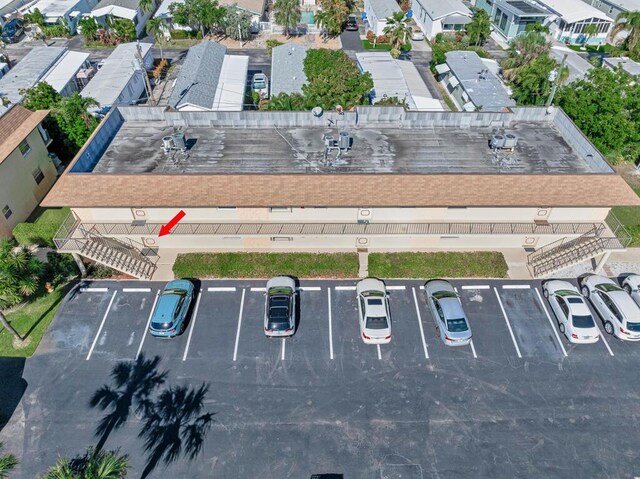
pixel 352 24
pixel 12 30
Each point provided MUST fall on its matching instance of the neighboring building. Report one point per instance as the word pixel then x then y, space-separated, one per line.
pixel 440 16
pixel 396 78
pixel 129 9
pixel 273 181
pixel 210 80
pixel 120 80
pixel 615 7
pixel 578 66
pixel 572 16
pixel 26 171
pixel 377 12
pixel 472 84
pixel 627 64
pixel 63 11
pixel 510 18
pixel 9 9
pixel 57 66
pixel 287 69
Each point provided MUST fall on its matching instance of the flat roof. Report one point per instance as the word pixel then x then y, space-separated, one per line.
pixel 441 8
pixel 573 11
pixel 56 8
pixel 383 9
pixel 397 158
pixel 523 8
pixel 630 66
pixel 116 72
pixel 65 69
pixel 484 89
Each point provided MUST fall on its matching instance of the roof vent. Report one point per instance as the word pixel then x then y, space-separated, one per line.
pixel 317 111
pixel 510 141
pixel 497 142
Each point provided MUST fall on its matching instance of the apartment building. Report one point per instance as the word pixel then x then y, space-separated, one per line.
pixel 26 171
pixel 377 178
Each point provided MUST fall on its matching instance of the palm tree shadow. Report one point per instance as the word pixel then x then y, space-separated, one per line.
pixel 175 426
pixel 133 384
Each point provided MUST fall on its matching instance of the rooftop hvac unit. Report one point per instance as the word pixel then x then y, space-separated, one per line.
pixel 510 141
pixel 497 142
pixel 328 141
pixel 167 143
pixel 344 141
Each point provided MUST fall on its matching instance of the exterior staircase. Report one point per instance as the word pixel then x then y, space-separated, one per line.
pixel 569 251
pixel 122 254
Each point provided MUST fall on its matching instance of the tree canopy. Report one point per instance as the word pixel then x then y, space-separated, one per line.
pixel 479 29
pixel 287 14
pixel 333 14
pixel 237 23
pixel 605 105
pixel 202 15
pixel 397 29
pixel 629 22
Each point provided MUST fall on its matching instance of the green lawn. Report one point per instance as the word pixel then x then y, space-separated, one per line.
pixel 482 264
pixel 629 216
pixel 265 265
pixel 383 46
pixel 606 48
pixel 31 320
pixel 41 226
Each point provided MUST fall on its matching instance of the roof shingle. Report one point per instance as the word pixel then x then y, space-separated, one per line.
pixel 15 125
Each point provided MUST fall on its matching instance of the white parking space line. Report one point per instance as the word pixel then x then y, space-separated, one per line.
pixel 309 288
pixel 284 342
pixel 379 352
pixel 473 349
pixel 330 324
pixel 424 342
pixel 259 289
pixel 221 288
pixel 94 290
pixel 104 318
pixel 396 288
pixel 146 328
pixel 602 337
pixel 136 290
pixel 513 338
pixel 546 312
pixel 235 348
pixel 345 288
pixel 516 286
pixel 192 326
pixel 475 286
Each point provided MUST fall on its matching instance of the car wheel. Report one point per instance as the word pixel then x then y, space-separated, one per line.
pixel 627 288
pixel 561 328
pixel 608 327
pixel 182 326
pixel 585 291
pixel 545 293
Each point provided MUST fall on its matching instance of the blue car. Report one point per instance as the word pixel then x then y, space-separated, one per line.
pixel 170 316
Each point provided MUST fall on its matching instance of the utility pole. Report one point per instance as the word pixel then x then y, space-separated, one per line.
pixel 554 76
pixel 147 83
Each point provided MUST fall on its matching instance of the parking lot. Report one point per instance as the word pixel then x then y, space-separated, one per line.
pixel 519 401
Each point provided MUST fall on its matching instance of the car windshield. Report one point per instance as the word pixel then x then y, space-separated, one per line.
pixel 259 84
pixel 635 327
pixel 179 292
pixel 583 321
pixel 377 322
pixel 457 325
pixel 607 287
pixel 444 294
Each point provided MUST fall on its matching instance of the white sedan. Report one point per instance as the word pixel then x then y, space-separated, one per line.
pixel 620 314
pixel 574 318
pixel 373 309
pixel 631 285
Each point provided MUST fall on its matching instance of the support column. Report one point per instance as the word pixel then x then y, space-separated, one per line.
pixel 601 262
pixel 80 264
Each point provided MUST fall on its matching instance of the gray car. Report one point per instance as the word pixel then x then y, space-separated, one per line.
pixel 447 311
pixel 280 307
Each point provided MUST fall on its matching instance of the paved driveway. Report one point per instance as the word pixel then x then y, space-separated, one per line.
pixel 520 401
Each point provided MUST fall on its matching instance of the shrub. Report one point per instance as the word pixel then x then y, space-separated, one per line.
pixel 405 6
pixel 383 39
pixel 370 36
pixel 41 230
pixel 271 44
pixel 55 31
pixel 100 271
pixel 183 34
pixel 59 268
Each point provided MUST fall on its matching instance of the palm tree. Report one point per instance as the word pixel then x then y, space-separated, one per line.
pixel 479 29
pixel 7 463
pixel 19 277
pixel 155 26
pixel 523 50
pixel 93 465
pixel 76 106
pixel 629 22
pixel 145 5
pixel 287 13
pixel 332 15
pixel 397 29
pixel 590 31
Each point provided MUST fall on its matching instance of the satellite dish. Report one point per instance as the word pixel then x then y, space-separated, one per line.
pixel 339 108
pixel 317 112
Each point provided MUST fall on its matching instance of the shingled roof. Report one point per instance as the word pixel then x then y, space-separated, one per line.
pixel 15 126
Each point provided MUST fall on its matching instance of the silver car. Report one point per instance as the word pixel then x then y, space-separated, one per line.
pixel 631 285
pixel 574 318
pixel 447 311
pixel 280 307
pixel 373 309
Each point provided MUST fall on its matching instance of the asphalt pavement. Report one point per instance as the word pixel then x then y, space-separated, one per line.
pixel 520 401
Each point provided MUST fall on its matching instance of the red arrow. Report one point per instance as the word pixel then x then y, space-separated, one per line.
pixel 166 229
